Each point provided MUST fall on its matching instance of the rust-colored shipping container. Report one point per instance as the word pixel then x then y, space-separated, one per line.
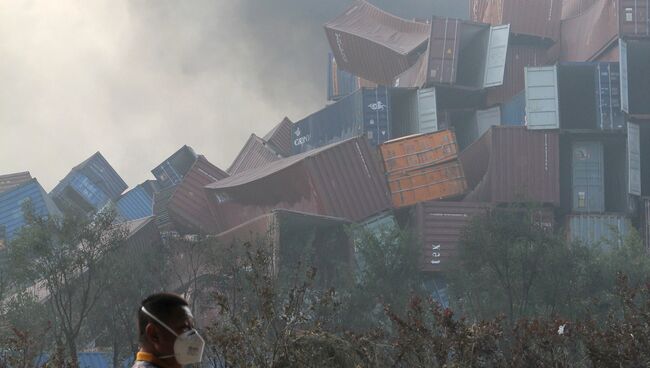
pixel 634 18
pixel 255 153
pixel 280 137
pixel 574 8
pixel 286 233
pixel 586 36
pixel 439 227
pixel 373 44
pixel 537 18
pixel 343 179
pixel 418 151
pixel 517 59
pixel 442 181
pixel 184 208
pixel 513 164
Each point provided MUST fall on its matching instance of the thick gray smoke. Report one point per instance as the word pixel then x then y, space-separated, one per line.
pixel 138 79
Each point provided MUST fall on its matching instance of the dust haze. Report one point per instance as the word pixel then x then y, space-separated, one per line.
pixel 138 79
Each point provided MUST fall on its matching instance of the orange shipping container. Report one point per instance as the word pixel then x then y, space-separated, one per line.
pixel 418 151
pixel 441 181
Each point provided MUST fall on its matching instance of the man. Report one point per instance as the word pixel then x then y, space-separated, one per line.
pixel 167 335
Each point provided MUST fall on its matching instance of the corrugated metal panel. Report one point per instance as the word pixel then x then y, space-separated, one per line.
pixel 255 153
pixel 172 170
pixel 588 177
pixel 606 230
pixel 439 226
pixel 427 110
pixel 513 112
pixel 373 44
pixel 608 98
pixel 496 56
pixel 343 180
pixel 442 181
pixel 188 207
pixel 10 181
pixel 634 158
pixel 513 164
pixel 135 204
pixel 160 208
pixel 646 222
pixel 485 119
pixel 573 8
pixel 102 174
pixel 418 151
pixel 280 137
pixel 517 59
pixel 11 202
pixel 625 97
pixel 537 18
pixel 365 112
pixel 634 18
pixel 542 105
pixel 586 36
pixel 443 50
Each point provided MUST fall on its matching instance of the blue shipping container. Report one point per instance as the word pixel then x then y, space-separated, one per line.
pixel 365 112
pixel 607 230
pixel 173 170
pixel 513 112
pixel 339 82
pixel 136 203
pixel 11 206
pixel 102 174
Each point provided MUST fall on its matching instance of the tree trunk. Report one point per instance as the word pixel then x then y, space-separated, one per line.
pixel 72 351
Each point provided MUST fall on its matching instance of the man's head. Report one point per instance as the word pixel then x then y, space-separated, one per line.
pixel 155 312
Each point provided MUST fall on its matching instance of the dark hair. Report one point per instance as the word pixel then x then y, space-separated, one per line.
pixel 161 305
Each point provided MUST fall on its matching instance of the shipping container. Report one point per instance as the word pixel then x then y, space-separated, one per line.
pixel 574 96
pixel 466 54
pixel 143 238
pixel 418 151
pixel 533 20
pixel 634 159
pixel 186 206
pixel 646 222
pixel 341 83
pixel 513 112
pixel 644 132
pixel 11 207
pixel 603 183
pixel 605 230
pixel 442 181
pixel 513 164
pixel 518 58
pixel 587 36
pixel 102 174
pixel 634 18
pixel 373 44
pixel 10 181
pixel 77 192
pixel 588 177
pixel 343 179
pixel 255 153
pixel 280 137
pixel 172 170
pixel 135 204
pixel 287 234
pixel 439 227
pixel 635 77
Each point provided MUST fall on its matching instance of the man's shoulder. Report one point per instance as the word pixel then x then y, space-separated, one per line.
pixel 143 364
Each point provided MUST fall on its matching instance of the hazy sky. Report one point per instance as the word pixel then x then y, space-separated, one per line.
pixel 138 79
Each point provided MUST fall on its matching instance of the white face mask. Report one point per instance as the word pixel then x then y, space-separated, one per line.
pixel 188 347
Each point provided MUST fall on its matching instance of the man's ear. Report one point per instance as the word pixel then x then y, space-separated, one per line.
pixel 152 333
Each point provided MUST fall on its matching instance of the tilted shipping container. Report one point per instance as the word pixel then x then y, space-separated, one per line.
pixel 342 179
pixel 537 20
pixel 373 44
pixel 255 153
pixel 441 181
pixel 417 151
pixel 102 174
pixel 10 181
pixel 341 83
pixel 280 137
pixel 172 170
pixel 513 164
pixel 135 204
pixel 12 218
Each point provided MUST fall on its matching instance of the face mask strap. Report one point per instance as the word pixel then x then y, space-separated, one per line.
pixel 145 311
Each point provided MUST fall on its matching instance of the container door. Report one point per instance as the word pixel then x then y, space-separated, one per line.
pixel 625 100
pixel 376 115
pixel 588 177
pixel 495 63
pixel 443 50
pixel 427 110
pixel 634 18
pixel 608 97
pixel 486 119
pixel 634 158
pixel 542 108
